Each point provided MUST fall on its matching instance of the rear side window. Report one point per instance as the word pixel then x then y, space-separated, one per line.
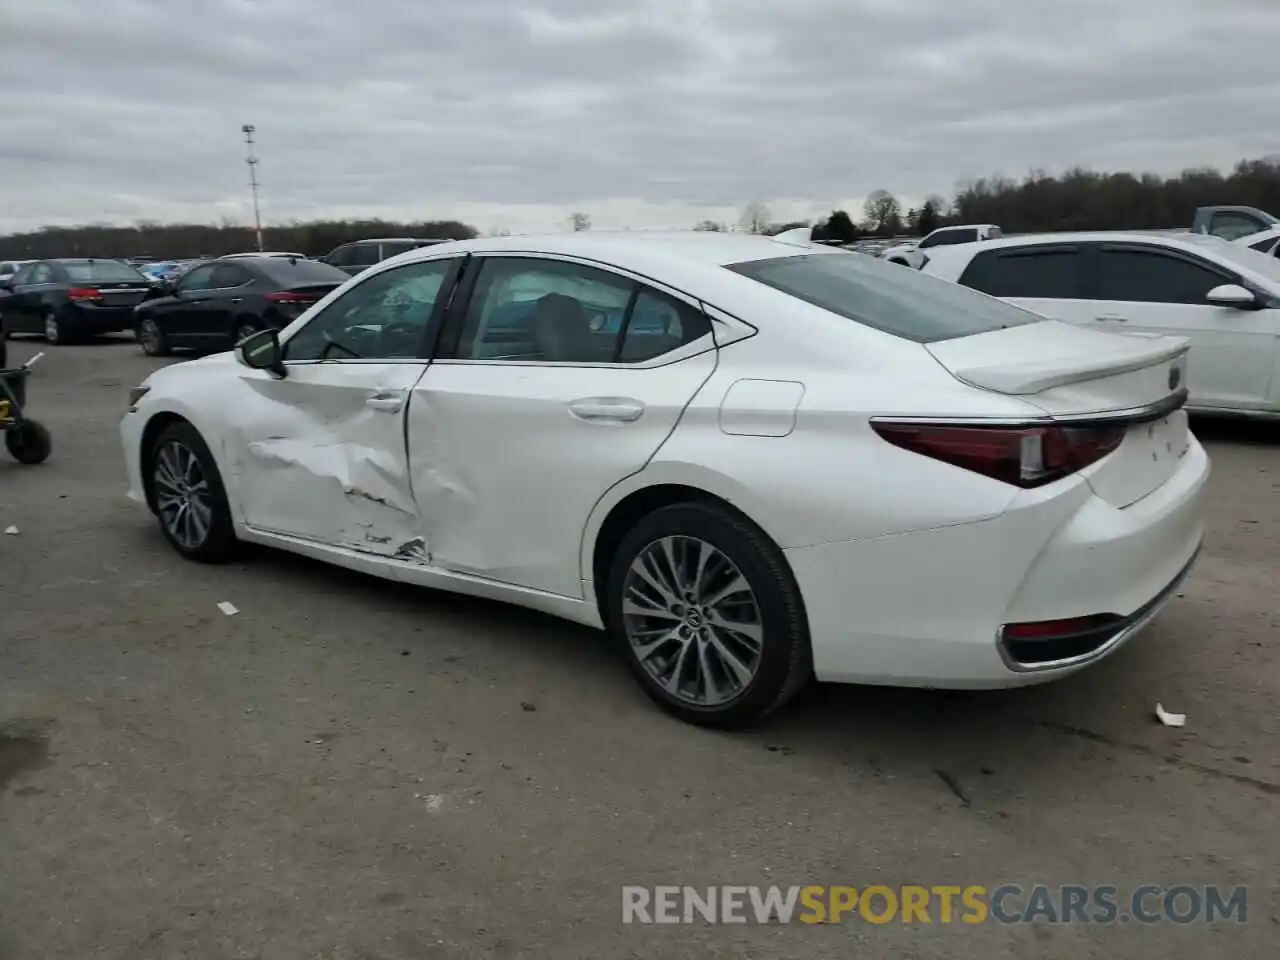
pixel 229 275
pixel 950 237
pixel 102 271
pixel 1032 274
pixel 400 246
pixel 1233 226
pixel 364 255
pixel 1143 276
pixel 904 303
pixel 658 325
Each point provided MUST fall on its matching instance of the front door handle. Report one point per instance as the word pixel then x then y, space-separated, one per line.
pixel 386 402
pixel 1111 318
pixel 607 409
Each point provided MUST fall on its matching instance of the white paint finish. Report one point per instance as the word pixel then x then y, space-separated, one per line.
pixel 1235 353
pixel 507 471
pixel 1106 371
pixel 320 454
pixel 761 408
pixel 907 565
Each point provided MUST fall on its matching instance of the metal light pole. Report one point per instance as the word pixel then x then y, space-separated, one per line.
pixel 252 161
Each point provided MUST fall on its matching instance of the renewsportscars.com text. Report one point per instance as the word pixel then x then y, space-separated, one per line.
pixel 943 904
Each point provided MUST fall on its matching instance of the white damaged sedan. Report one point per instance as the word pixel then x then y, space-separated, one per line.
pixel 752 461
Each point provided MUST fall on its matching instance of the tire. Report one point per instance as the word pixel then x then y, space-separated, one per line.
pixel 55 332
pixel 165 459
pixel 28 442
pixel 152 339
pixel 245 326
pixel 782 661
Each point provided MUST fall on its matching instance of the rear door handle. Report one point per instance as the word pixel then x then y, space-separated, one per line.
pixel 607 409
pixel 386 402
pixel 1111 318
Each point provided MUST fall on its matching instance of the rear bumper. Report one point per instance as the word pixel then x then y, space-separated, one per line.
pixel 927 608
pixel 91 319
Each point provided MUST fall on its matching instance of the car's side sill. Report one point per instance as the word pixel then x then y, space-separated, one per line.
pixel 574 609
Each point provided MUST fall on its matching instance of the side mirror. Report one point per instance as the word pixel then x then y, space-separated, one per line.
pixel 261 351
pixel 1232 295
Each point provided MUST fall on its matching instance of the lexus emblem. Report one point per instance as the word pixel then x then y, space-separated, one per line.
pixel 1175 377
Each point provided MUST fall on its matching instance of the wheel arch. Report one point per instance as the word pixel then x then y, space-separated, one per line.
pixel 623 506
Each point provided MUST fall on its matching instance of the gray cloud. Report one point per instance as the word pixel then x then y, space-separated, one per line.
pixel 648 113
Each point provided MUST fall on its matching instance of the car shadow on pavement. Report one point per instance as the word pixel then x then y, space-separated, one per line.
pixel 1236 430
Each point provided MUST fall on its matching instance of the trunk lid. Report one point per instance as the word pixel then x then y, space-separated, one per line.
pixel 1080 375
pixel 118 293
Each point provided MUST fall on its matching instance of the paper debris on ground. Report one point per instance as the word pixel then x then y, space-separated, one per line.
pixel 1170 719
pixel 227 607
pixel 11 531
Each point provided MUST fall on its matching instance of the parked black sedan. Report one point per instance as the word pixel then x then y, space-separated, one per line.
pixel 218 304
pixel 70 299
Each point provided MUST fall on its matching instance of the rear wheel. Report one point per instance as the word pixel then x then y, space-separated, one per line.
pixel 190 500
pixel 28 442
pixel 55 331
pixel 152 339
pixel 709 615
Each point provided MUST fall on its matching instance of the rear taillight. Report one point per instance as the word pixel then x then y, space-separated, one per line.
pixel 1023 456
pixel 80 294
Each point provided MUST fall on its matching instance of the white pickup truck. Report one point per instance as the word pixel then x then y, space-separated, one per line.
pixel 913 255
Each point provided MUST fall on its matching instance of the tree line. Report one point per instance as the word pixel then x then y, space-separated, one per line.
pixel 177 241
pixel 1077 200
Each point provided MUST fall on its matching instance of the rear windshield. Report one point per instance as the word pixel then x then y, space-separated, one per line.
pixel 886 296
pixel 102 271
pixel 290 273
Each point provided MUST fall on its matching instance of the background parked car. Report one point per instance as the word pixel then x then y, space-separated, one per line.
pixel 356 257
pixel 219 303
pixel 913 255
pixel 1264 241
pixel 9 267
pixel 70 299
pixel 1224 296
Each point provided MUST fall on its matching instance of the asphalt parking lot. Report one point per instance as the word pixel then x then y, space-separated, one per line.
pixel 353 769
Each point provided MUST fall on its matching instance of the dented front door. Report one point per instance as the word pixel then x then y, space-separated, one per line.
pixel 321 455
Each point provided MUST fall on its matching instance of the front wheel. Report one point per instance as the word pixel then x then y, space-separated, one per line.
pixel 28 442
pixel 244 328
pixel 710 617
pixel 189 498
pixel 151 338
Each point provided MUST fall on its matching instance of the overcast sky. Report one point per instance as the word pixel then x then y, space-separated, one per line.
pixel 650 113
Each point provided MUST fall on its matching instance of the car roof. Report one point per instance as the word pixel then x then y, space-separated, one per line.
pixel 617 247
pixel 397 240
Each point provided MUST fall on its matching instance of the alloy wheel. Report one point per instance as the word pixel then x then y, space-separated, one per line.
pixel 149 335
pixel 183 497
pixel 692 620
pixel 51 331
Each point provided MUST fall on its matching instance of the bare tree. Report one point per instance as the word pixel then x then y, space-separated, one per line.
pixel 709 226
pixel 579 222
pixel 881 211
pixel 755 217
